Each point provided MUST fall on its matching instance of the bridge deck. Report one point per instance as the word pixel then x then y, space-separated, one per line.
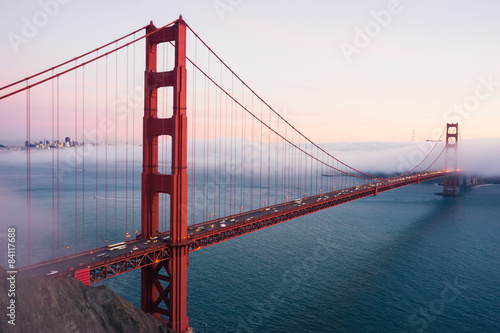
pixel 211 232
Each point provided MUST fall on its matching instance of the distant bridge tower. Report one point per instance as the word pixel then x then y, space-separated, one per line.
pixel 158 298
pixel 451 160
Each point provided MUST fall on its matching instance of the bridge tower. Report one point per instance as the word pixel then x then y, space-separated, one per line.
pixel 451 157
pixel 158 298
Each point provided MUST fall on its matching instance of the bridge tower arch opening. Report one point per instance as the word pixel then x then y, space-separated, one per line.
pixel 164 284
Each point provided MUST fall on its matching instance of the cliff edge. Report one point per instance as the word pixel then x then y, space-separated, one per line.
pixel 66 305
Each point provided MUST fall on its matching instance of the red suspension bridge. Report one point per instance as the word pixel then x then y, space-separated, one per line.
pixel 248 167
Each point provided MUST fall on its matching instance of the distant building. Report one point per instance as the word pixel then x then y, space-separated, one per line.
pixel 47 144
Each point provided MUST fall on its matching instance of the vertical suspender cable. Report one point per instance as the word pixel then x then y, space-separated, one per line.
pixel 116 142
pixel 225 162
pixel 133 140
pixel 83 158
pixel 97 153
pixel 193 156
pixel 76 162
pixel 53 176
pixel 231 161
pixel 126 142
pixel 58 211
pixel 252 145
pixel 203 216
pixel 276 162
pixel 215 151
pixel 207 193
pixel 261 158
pixel 214 159
pixel 269 162
pixel 219 179
pixel 106 160
pixel 28 173
pixel 243 151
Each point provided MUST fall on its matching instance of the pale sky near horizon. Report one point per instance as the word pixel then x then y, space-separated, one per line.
pixel 420 66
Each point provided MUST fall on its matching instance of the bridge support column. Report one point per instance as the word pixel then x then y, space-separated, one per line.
pixel 163 285
pixel 450 182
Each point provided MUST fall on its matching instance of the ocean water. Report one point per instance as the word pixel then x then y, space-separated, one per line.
pixel 404 261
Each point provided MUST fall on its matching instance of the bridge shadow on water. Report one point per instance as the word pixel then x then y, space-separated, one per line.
pixel 380 285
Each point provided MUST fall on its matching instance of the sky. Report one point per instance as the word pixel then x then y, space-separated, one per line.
pixel 342 71
pixel 362 78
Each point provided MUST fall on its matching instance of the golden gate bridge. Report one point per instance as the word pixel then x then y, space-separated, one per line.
pixel 237 166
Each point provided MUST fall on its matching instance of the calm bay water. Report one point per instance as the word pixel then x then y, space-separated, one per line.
pixel 404 261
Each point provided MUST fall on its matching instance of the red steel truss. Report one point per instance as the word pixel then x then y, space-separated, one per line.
pixel 162 252
pixel 219 235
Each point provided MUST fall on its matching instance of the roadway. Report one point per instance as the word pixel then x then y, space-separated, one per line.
pixel 138 247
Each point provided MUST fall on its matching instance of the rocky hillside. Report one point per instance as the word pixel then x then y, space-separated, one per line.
pixel 47 305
